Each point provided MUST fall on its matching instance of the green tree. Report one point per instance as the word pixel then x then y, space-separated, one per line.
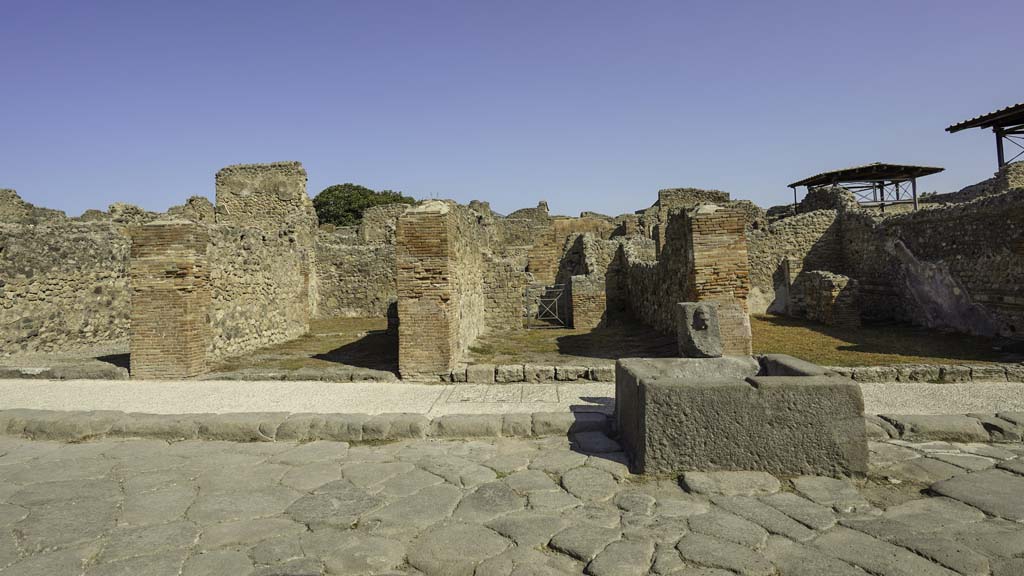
pixel 344 204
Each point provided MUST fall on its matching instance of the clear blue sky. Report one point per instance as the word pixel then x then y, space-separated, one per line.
pixel 590 105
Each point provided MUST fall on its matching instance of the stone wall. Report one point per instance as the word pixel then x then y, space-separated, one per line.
pixel 587 302
pixel 704 258
pixel 260 284
pixel 827 298
pixel 63 286
pixel 813 238
pixel 170 279
pixel 355 279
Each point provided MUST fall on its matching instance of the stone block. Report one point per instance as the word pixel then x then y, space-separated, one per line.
pixel 874 374
pixel 539 373
pixel 480 374
pixel 697 330
pixel 1014 372
pixel 670 421
pixel 466 426
pixel 408 426
pixel 602 373
pixel 508 373
pixel 952 428
pixel 517 425
pixel 570 373
pixel 241 427
pixel 999 429
pixel 917 373
pixel 784 365
pixel 988 373
pixel 955 373
pixel 458 374
pixel 562 423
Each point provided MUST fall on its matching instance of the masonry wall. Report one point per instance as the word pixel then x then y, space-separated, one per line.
pixel 170 279
pixel 814 238
pixel 704 258
pixel 63 286
pixel 828 298
pixel 260 289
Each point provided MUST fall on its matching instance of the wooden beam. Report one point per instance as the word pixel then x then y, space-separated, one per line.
pixel 913 189
pixel 999 146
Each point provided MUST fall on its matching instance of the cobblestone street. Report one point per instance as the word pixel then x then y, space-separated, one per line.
pixel 500 506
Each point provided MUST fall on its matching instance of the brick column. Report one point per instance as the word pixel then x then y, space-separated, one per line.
pixel 720 271
pixel 170 284
pixel 427 301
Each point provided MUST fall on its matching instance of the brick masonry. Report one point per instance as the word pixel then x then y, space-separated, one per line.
pixel 170 281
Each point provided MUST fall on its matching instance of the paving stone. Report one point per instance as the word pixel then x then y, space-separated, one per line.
pixel 506 464
pixel 455 549
pixel 225 506
pixel 409 483
pixel 554 500
pixel 1008 567
pixel 1016 466
pixel 557 462
pixel 584 542
pixel 337 504
pixel 765 516
pixel 887 429
pixel 11 513
pixel 966 461
pixel 635 502
pixel 276 551
pixel 668 561
pixel 65 561
pixel 993 537
pixel 417 511
pixel 65 524
pixel 951 428
pixel 589 484
pixel 526 562
pixel 296 567
pixel 729 527
pixel 595 443
pixel 306 478
pixel 369 474
pixel 529 528
pixel 681 506
pixel 814 516
pixel 883 454
pixel 218 563
pixel 623 558
pixel 714 553
pixel 996 492
pixel 614 463
pixel 922 470
pixel 987 450
pixel 245 533
pixel 128 542
pixel 730 483
pixel 874 555
pixel 527 481
pixel 1015 417
pixel 597 514
pixel 313 452
pixel 486 502
pixel 162 564
pixel 49 492
pixel 794 559
pixel 241 427
pixel 841 495
pixel 353 552
pixel 938 549
pixel 458 471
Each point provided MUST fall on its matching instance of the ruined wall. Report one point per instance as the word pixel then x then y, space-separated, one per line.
pixel 170 280
pixel 548 243
pixel 504 287
pixel 260 289
pixel 588 301
pixel 960 266
pixel 63 285
pixel 827 298
pixel 814 238
pixel 704 258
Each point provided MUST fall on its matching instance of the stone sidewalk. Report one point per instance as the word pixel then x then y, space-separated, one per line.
pixel 184 397
pixel 494 507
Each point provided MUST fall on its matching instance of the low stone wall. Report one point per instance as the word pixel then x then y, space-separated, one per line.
pixel 934 373
pixel 534 373
pixel 827 298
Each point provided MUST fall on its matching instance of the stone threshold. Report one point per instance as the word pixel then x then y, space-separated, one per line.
pixel 934 373
pixel 80 426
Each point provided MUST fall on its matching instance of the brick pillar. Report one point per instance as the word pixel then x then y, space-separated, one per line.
pixel 170 284
pixel 718 246
pixel 427 300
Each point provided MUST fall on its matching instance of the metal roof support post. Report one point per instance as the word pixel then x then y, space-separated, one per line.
pixel 999 146
pixel 913 188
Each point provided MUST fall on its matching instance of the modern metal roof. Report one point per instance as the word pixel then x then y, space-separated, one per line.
pixel 868 173
pixel 1009 116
